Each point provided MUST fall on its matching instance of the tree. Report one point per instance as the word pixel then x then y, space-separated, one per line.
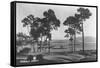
pixel 50 23
pixel 74 27
pixel 70 32
pixel 40 27
pixel 20 34
pixel 34 24
pixel 82 16
pixel 19 38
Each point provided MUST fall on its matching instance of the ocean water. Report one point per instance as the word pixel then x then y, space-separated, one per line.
pixel 78 45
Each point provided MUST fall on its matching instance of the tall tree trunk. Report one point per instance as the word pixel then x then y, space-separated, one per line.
pixel 41 43
pixel 35 46
pixel 49 46
pixel 46 39
pixel 28 29
pixel 32 48
pixel 72 45
pixel 74 41
pixel 82 37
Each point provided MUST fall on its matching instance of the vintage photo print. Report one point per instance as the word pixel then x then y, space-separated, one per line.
pixel 52 33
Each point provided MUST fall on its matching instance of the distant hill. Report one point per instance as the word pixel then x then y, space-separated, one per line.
pixel 90 43
pixel 78 39
pixel 86 39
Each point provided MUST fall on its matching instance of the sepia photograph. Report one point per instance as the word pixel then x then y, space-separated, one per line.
pixel 55 34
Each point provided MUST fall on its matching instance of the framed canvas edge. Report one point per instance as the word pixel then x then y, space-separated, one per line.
pixel 13 32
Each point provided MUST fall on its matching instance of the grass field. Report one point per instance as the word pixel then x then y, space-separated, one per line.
pixel 60 52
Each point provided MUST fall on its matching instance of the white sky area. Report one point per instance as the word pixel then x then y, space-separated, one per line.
pixel 61 12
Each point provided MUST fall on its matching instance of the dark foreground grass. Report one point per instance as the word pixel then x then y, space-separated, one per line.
pixel 42 61
pixel 89 55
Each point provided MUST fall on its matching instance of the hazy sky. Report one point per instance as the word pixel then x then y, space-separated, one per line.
pixel 61 12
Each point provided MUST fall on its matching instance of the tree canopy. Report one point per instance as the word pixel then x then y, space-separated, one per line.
pixel 42 26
